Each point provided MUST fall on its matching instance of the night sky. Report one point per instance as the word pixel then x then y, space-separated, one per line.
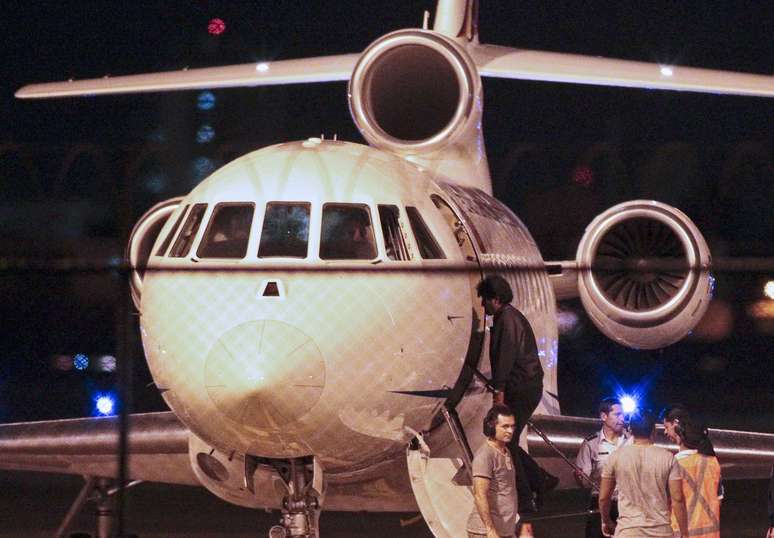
pixel 709 155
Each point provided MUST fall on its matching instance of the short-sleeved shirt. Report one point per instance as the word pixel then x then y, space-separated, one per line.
pixel 499 469
pixel 642 474
pixel 594 452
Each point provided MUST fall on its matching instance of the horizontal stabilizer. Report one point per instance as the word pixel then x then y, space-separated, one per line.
pixel 506 62
pixel 320 69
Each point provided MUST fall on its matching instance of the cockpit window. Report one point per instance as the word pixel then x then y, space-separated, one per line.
pixel 394 241
pixel 228 232
pixel 428 246
pixel 285 231
pixel 168 239
pixel 347 233
pixel 183 244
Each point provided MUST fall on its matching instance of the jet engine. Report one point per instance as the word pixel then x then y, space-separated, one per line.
pixel 142 239
pixel 644 274
pixel 415 93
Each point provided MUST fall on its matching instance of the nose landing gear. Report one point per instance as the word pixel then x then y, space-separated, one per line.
pixel 302 504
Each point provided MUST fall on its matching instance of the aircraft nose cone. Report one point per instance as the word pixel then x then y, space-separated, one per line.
pixel 264 374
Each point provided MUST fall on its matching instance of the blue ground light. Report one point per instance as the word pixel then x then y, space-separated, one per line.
pixel 104 405
pixel 80 361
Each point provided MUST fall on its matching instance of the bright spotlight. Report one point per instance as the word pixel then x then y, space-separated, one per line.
pixel 104 404
pixel 629 404
pixel 768 289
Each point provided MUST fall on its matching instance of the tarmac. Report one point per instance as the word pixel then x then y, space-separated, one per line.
pixel 33 505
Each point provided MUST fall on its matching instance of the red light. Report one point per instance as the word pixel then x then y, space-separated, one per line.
pixel 583 176
pixel 216 26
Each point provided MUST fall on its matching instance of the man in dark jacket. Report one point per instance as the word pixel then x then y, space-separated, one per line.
pixel 517 377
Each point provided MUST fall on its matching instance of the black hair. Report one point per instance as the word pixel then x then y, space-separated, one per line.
pixel 672 412
pixel 643 424
pixel 694 435
pixel 495 286
pixel 679 415
pixel 490 420
pixel 607 404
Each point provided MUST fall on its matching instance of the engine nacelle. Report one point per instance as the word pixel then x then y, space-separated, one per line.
pixel 644 274
pixel 142 239
pixel 417 93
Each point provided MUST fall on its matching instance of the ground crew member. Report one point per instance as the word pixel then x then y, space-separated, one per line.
pixel 494 512
pixel 649 480
pixel 701 482
pixel 593 454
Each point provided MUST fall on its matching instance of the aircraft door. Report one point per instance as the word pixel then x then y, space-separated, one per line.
pixel 472 263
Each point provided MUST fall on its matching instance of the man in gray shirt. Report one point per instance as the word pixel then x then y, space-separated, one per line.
pixel 647 477
pixel 494 482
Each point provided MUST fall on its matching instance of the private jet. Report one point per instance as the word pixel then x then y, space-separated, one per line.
pixel 309 311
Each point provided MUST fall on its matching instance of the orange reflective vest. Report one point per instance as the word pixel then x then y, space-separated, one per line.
pixel 701 479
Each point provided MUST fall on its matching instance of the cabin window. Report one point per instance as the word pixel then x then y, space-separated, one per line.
pixel 228 232
pixel 285 232
pixel 394 239
pixel 428 246
pixel 183 244
pixel 347 233
pixel 168 239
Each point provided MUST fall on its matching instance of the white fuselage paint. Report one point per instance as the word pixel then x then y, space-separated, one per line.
pixel 317 371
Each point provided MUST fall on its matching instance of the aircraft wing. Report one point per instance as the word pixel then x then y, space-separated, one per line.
pixel 320 69
pixel 506 62
pixel 158 447
pixel 742 455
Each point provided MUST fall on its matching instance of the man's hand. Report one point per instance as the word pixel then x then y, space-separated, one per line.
pixel 608 528
pixel 770 534
pixel 491 533
pixel 498 398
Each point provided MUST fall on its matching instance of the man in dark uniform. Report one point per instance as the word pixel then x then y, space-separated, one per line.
pixel 593 454
pixel 517 377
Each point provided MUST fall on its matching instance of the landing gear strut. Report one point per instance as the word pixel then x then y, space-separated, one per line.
pixel 102 492
pixel 302 504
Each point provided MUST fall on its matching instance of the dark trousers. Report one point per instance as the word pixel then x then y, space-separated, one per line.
pixel 594 521
pixel 529 475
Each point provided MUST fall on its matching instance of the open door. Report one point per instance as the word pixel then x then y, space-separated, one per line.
pixel 445 504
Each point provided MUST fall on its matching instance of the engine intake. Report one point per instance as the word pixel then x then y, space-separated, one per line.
pixel 644 274
pixel 142 239
pixel 414 91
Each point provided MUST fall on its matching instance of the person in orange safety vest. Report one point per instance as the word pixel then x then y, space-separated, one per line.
pixel 701 481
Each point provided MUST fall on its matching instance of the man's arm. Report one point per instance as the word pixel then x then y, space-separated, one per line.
pixel 504 351
pixel 605 495
pixel 480 489
pixel 678 505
